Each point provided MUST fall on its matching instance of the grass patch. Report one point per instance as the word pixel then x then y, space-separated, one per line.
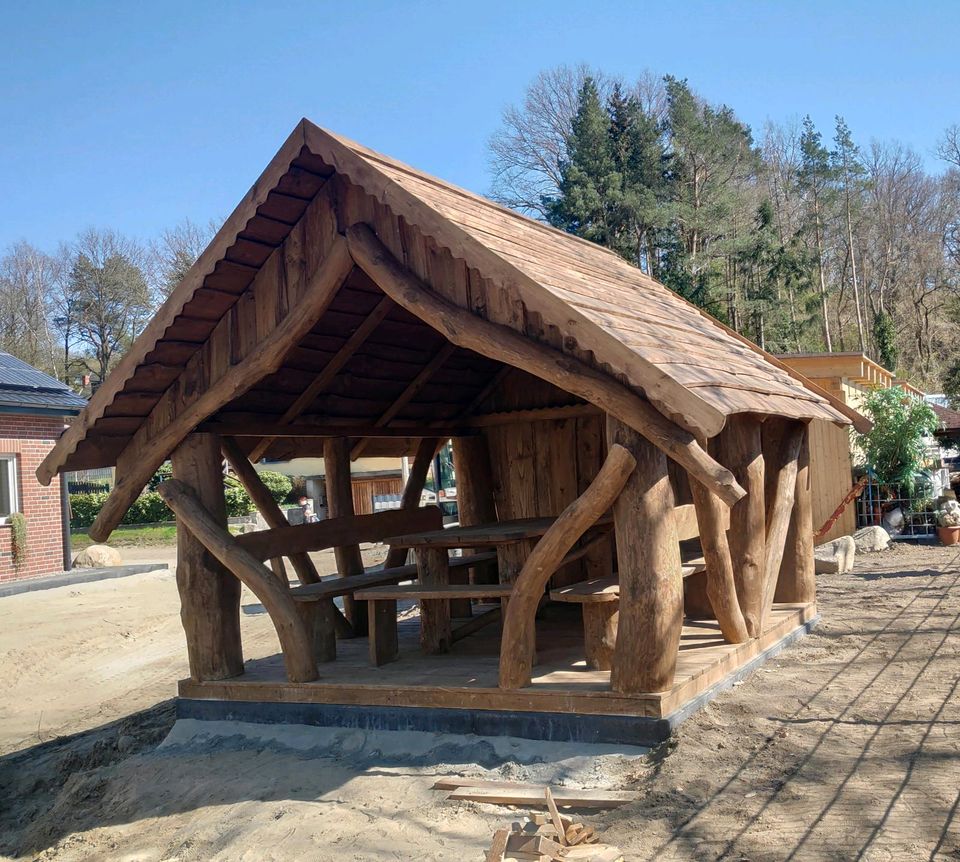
pixel 129 537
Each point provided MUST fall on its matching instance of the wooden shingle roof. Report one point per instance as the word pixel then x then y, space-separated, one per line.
pixel 692 368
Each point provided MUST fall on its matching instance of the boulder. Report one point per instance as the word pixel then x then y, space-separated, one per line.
pixel 98 557
pixel 871 539
pixel 835 556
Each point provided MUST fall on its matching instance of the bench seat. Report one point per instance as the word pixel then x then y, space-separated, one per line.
pixel 315 601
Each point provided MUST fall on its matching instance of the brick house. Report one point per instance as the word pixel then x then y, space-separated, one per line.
pixel 33 407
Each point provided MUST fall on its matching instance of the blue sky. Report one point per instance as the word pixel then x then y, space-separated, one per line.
pixel 134 115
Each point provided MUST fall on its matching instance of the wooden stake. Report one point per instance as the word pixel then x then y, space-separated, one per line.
pixel 413 491
pixel 209 594
pixel 651 580
pixel 518 641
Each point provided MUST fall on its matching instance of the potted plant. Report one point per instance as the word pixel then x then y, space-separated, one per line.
pixel 948 522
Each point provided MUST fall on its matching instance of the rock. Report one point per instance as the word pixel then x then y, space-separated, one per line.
pixel 871 539
pixel 835 556
pixel 98 557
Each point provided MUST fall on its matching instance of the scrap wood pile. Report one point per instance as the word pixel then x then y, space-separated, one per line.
pixel 549 837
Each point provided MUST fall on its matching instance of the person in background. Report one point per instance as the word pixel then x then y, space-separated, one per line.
pixel 306 505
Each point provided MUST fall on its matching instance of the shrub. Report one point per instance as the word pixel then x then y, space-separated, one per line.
pixel 894 449
pixel 277 484
pixel 238 501
pixel 18 538
pixel 84 508
pixel 148 508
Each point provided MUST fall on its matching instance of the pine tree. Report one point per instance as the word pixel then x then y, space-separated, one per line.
pixel 849 171
pixel 815 179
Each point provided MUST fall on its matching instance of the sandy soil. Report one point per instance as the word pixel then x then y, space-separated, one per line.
pixel 844 747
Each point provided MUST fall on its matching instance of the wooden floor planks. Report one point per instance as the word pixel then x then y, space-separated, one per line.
pixel 466 677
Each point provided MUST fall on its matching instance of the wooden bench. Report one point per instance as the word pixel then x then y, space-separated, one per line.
pixel 600 603
pixel 436 634
pixel 315 601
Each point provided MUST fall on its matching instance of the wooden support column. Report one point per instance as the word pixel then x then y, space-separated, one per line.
pixel 209 594
pixel 782 441
pixel 433 569
pixel 741 451
pixel 651 580
pixel 721 586
pixel 413 491
pixel 797 581
pixel 475 505
pixel 336 464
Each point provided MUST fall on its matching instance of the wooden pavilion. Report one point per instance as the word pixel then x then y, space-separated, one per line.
pixel 632 476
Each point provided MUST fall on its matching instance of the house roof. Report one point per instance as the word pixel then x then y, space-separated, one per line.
pixel 949 419
pixel 25 389
pixel 552 286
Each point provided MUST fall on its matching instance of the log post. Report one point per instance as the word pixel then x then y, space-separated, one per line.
pixel 741 451
pixel 797 582
pixel 782 444
pixel 651 580
pixel 209 594
pixel 518 641
pixel 433 569
pixel 336 464
pixel 475 502
pixel 721 585
pixel 413 490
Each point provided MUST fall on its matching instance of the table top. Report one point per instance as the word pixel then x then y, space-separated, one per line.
pixel 480 535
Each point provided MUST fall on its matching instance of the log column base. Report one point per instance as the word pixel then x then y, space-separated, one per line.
pixel 600 633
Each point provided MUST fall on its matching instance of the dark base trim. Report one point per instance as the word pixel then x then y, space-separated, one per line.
pixel 77 576
pixel 546 726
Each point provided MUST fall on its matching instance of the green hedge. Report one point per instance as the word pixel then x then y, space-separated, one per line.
pixel 149 507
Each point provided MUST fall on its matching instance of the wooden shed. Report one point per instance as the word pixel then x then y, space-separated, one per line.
pixel 632 476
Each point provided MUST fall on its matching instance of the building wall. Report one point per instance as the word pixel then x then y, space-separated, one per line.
pixel 30 438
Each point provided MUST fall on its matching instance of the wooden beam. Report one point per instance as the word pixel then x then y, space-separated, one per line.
pixel 475 504
pixel 538 414
pixel 740 448
pixel 721 585
pixel 263 500
pixel 331 532
pixel 330 371
pixel 797 582
pixel 499 342
pixel 210 380
pixel 518 641
pixel 209 594
pixel 297 648
pixel 413 491
pixel 336 463
pixel 254 425
pixel 780 511
pixel 411 392
pixel 651 577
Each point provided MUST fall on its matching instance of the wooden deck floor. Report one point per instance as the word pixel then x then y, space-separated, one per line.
pixel 466 677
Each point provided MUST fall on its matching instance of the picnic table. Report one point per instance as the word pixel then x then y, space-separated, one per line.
pixel 440 600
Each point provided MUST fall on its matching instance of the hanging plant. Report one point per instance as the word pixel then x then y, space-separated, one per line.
pixel 18 538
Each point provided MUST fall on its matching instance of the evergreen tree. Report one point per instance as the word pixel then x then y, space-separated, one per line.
pixel 815 181
pixel 849 171
pixel 885 337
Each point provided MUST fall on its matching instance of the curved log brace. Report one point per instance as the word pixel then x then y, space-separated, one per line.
pixel 519 627
pixel 268 507
pixel 294 641
pixel 721 588
pixel 570 374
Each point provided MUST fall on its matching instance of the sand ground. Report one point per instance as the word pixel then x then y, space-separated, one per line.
pixel 847 746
